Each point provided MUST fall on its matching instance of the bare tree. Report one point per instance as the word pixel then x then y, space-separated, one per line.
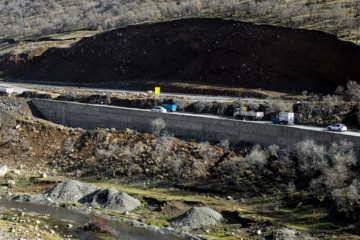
pixel 225 145
pixel 158 127
pixel 256 160
pixel 342 18
pixel 311 157
pixel 353 91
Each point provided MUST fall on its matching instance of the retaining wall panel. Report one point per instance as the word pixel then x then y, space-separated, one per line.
pixel 201 127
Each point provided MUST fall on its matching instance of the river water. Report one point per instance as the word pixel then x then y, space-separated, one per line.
pixel 61 217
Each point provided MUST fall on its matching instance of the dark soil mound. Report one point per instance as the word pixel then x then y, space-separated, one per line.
pixel 209 51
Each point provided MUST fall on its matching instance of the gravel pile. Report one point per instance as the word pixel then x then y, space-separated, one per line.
pixel 198 216
pixel 86 194
pixel 290 234
pixel 70 191
pixel 110 199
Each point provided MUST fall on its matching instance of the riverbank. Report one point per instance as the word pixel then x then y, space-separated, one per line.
pixel 242 217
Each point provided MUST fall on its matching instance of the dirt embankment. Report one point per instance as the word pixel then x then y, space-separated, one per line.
pixel 200 51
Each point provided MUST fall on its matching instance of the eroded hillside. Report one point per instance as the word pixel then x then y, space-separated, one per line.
pixel 201 51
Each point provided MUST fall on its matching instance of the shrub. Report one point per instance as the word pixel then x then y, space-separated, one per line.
pixel 346 198
pixel 273 150
pixel 98 224
pixel 176 164
pixel 234 167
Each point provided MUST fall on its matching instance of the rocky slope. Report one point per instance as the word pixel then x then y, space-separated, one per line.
pixel 209 51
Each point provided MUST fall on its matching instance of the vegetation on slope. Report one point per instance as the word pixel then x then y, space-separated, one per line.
pixel 27 18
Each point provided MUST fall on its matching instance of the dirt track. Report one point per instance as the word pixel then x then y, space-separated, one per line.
pixel 200 51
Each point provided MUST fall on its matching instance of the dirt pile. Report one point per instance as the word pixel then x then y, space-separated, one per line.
pixel 209 51
pixel 198 216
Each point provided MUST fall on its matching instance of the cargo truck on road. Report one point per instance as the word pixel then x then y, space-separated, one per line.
pixel 6 91
pixel 284 118
pixel 242 113
pixel 169 107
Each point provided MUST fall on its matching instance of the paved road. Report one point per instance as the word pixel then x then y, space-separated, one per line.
pixel 20 87
pixel 319 129
pixel 191 97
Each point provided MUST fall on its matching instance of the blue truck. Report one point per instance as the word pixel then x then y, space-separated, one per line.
pixel 169 107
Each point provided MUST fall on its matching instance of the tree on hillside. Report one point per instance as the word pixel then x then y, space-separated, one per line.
pixel 157 126
pixel 256 160
pixel 353 91
pixel 342 19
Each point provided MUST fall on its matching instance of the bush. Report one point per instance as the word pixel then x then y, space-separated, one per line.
pixel 98 224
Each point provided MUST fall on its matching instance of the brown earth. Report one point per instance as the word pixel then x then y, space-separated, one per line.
pixel 32 145
pixel 199 51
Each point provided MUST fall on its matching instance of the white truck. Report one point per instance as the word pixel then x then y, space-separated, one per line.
pixel 284 118
pixel 6 91
pixel 244 114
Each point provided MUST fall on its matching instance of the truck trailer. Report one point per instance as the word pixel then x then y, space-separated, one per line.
pixel 284 118
pixel 169 107
pixel 242 113
pixel 6 91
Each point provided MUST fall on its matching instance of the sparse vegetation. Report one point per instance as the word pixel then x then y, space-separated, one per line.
pixel 39 18
pixel 98 224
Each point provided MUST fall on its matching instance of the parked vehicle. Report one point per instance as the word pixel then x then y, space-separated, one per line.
pixel 6 91
pixel 284 118
pixel 337 127
pixel 159 109
pixel 169 107
pixel 244 114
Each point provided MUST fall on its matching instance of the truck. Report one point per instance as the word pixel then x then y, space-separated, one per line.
pixel 6 91
pixel 284 118
pixel 169 107
pixel 244 114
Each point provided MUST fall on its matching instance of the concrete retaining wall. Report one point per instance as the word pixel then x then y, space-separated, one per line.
pixel 201 127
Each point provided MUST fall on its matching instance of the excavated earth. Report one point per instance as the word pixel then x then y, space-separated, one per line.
pixel 198 51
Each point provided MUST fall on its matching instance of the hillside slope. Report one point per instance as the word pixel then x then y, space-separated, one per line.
pixel 207 51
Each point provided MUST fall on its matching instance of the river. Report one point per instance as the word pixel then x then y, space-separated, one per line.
pixel 61 217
